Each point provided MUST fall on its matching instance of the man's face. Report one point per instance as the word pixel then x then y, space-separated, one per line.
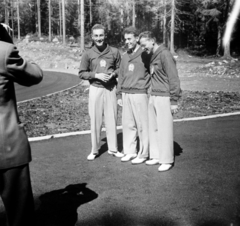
pixel 98 37
pixel 147 44
pixel 131 41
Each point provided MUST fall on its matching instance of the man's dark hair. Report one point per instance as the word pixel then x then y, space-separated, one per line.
pixel 147 34
pixel 98 26
pixel 131 30
pixel 4 36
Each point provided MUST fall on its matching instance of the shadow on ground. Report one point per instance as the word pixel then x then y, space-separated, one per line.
pixel 59 207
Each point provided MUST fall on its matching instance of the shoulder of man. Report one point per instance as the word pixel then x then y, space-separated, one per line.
pixel 7 48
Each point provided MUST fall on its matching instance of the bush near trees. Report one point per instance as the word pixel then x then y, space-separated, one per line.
pixel 196 25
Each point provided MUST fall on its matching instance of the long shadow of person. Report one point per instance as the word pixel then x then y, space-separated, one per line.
pixel 59 207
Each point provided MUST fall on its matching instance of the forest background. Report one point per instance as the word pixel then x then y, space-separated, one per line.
pixel 194 25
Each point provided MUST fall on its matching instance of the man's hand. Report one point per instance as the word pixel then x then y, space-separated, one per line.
pixel 113 74
pixel 120 102
pixel 102 76
pixel 174 109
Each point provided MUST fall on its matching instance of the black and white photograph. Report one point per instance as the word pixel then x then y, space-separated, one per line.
pixel 119 113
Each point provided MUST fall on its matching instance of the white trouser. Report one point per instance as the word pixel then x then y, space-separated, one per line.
pixel 103 103
pixel 161 129
pixel 135 124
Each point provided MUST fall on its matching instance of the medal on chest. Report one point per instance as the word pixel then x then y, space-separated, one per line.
pixel 131 67
pixel 103 63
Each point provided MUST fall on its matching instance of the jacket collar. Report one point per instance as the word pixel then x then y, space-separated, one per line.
pixel 105 51
pixel 158 51
pixel 135 54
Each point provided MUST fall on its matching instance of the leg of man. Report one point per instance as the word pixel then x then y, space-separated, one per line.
pixel 110 118
pixel 153 130
pixel 17 196
pixel 165 129
pixel 96 96
pixel 129 126
pixel 140 110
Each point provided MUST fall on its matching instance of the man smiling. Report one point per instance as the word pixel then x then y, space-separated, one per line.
pixel 133 83
pixel 99 65
pixel 165 92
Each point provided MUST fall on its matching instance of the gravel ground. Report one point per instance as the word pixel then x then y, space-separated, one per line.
pixel 68 111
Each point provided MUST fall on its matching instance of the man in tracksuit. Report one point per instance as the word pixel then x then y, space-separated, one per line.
pixel 133 83
pixel 165 92
pixel 98 66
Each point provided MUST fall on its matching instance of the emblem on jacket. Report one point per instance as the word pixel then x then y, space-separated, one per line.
pixel 131 67
pixel 103 63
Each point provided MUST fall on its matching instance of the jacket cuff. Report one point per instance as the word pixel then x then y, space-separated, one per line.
pixel 92 75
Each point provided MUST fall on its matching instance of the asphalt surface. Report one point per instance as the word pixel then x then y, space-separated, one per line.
pixel 203 188
pixel 52 82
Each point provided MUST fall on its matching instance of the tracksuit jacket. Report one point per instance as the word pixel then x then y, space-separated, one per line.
pixel 133 76
pixel 164 75
pixel 93 61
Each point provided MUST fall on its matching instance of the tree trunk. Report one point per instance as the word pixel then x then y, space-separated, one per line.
pixel 172 28
pixel 18 20
pixel 6 12
pixel 49 21
pixel 109 20
pixel 12 18
pixel 227 54
pixel 219 40
pixel 121 16
pixel 134 14
pixel 226 48
pixel 90 13
pixel 64 22
pixel 60 19
pixel 165 23
pixel 39 17
pixel 127 10
pixel 82 25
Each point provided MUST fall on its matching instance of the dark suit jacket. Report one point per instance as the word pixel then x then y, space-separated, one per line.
pixel 14 145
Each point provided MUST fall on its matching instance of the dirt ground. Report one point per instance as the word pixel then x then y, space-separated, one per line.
pixel 196 73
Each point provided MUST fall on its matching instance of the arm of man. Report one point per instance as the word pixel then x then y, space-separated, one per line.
pixel 119 85
pixel 84 70
pixel 174 81
pixel 23 72
pixel 117 63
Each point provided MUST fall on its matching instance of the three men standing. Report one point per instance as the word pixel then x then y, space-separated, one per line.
pixel 145 69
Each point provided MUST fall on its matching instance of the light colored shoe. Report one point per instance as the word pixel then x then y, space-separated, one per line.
pixel 138 160
pixel 165 167
pixel 91 156
pixel 116 154
pixel 152 162
pixel 128 157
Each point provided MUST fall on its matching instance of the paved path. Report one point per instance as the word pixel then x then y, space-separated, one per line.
pixel 52 82
pixel 203 189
